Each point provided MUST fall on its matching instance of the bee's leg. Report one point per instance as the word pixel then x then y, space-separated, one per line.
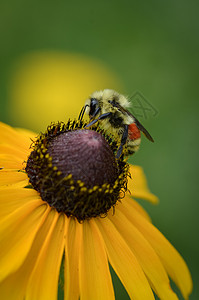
pixel 100 118
pixel 91 123
pixel 123 141
pixel 96 112
pixel 82 112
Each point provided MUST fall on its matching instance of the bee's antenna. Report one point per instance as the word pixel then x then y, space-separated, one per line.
pixel 82 112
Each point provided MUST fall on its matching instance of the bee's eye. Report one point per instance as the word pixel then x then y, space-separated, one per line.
pixel 94 101
pixel 93 106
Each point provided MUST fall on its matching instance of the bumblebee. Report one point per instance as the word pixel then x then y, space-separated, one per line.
pixel 109 108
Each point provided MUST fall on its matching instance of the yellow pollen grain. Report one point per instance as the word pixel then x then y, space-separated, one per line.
pixel 115 185
pixel 80 183
pixel 95 188
pixel 104 186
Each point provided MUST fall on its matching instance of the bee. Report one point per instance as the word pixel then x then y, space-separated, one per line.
pixel 109 108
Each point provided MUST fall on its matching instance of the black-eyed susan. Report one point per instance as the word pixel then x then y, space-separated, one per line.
pixel 66 196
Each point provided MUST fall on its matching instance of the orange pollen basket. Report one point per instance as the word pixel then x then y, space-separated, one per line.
pixel 133 132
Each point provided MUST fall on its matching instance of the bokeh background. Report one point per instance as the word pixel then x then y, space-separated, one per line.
pixel 54 54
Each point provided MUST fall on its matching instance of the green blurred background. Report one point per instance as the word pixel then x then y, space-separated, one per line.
pixel 151 49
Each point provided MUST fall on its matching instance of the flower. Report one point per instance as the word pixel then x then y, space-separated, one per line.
pixel 34 236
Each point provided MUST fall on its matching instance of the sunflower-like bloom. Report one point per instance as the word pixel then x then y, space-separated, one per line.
pixel 43 220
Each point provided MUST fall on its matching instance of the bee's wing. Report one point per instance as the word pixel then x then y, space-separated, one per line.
pixel 141 128
pixel 138 124
pixel 120 108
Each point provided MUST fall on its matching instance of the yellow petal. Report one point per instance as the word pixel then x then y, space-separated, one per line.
pixel 19 279
pixel 11 136
pixel 11 149
pixel 137 207
pixel 171 259
pixel 8 161
pixel 138 185
pixel 95 278
pixel 17 232
pixel 20 184
pixel 146 256
pixel 27 134
pixel 43 283
pixel 13 198
pixel 8 177
pixel 71 270
pixel 124 262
